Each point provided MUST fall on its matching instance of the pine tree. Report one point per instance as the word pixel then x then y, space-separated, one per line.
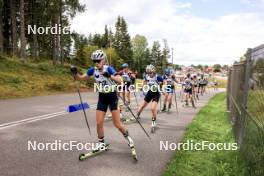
pixel 105 38
pixel 23 40
pixel 13 12
pixel 117 36
pixel 97 40
pixel 140 53
pixel 122 41
pixel 1 27
pixel 156 58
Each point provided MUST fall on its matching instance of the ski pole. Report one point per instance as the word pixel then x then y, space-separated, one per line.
pixel 129 109
pixel 176 101
pixel 136 98
pixel 160 102
pixel 85 116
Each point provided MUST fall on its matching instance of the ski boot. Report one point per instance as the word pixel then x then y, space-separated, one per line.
pixel 131 146
pixel 164 108
pixel 153 125
pixel 138 115
pixel 169 108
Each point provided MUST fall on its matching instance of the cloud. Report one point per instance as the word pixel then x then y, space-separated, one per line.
pixel 195 40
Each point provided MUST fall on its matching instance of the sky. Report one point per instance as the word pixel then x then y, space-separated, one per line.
pixel 200 31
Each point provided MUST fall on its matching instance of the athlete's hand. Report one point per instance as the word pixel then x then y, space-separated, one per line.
pixel 74 70
pixel 106 74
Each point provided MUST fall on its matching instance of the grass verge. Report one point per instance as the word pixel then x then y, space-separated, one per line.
pixel 33 79
pixel 211 124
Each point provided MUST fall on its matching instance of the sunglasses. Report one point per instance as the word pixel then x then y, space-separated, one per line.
pixel 97 61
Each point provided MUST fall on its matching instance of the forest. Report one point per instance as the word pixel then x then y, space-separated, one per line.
pixel 36 31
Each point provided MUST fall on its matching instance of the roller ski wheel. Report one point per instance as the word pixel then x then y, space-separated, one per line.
pixel 152 130
pixel 129 120
pixel 84 156
pixel 153 127
pixel 134 154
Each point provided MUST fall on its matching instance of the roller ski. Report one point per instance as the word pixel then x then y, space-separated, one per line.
pixel 153 126
pixel 131 146
pixel 134 153
pixel 102 148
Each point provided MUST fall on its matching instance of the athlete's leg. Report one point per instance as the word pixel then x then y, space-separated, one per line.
pixel 141 107
pixel 154 113
pixel 170 100
pixel 100 115
pixel 117 122
pixel 154 109
pixel 128 97
pixel 165 101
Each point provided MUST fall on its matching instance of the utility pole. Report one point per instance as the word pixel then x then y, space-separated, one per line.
pixel 172 57
pixel 110 51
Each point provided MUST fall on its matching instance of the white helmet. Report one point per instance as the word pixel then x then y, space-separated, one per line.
pixel 150 69
pixel 98 55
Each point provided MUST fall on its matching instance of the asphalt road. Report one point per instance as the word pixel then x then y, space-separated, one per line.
pixel 44 120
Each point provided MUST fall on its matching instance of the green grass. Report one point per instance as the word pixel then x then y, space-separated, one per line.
pixel 211 124
pixel 32 79
pixel 222 82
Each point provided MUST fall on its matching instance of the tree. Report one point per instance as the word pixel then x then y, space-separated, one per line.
pixel 22 33
pixel 165 55
pixel 1 27
pixel 156 56
pixel 105 38
pixel 116 61
pixel 97 40
pixel 122 41
pixel 217 67
pixel 34 21
pixel 13 10
pixel 139 48
pixel 200 66
pixel 15 15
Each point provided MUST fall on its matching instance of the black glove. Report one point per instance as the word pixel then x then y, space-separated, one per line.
pixel 106 74
pixel 74 70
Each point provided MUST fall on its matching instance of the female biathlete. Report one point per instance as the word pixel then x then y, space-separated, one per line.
pixel 127 81
pixel 169 83
pixel 188 90
pixel 195 87
pixel 104 75
pixel 152 80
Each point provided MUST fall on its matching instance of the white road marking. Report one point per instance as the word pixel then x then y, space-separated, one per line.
pixel 38 118
pixel 30 120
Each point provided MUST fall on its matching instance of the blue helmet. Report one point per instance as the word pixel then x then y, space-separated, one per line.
pixel 125 65
pixel 167 72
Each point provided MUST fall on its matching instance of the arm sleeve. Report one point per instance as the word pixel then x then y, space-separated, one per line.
pixel 145 78
pixel 111 70
pixel 90 72
pixel 159 78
